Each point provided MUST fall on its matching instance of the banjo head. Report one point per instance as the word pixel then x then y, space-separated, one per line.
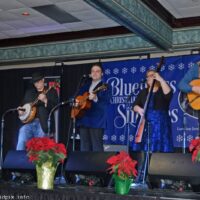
pixel 27 112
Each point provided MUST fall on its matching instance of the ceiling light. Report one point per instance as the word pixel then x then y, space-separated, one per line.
pixel 26 13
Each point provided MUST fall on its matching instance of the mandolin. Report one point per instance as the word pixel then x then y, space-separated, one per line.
pixel 84 103
pixel 194 98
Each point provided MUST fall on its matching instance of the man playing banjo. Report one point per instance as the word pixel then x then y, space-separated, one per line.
pixel 37 103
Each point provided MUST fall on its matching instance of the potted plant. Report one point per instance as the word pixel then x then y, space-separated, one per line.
pixel 46 154
pixel 194 147
pixel 123 168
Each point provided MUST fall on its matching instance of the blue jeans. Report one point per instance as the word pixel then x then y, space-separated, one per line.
pixel 27 132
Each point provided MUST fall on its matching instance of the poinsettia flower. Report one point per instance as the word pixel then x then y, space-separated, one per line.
pixel 122 165
pixel 194 143
pixel 194 147
pixel 60 148
pixel 112 160
pixel 41 150
pixel 194 154
pixel 33 158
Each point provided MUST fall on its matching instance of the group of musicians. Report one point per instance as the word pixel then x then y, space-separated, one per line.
pixel 93 122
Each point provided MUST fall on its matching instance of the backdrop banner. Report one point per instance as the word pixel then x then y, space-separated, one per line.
pixel 127 78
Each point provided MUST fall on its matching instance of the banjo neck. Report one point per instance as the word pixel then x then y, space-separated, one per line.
pixel 43 92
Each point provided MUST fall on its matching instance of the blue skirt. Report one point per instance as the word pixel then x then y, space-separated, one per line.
pixel 160 135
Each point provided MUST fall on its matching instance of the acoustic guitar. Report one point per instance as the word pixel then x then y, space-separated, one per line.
pixel 30 109
pixel 194 98
pixel 84 103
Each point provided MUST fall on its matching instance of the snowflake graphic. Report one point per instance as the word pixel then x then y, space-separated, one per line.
pixel 124 70
pixel 131 138
pixel 162 68
pixel 181 66
pixel 122 138
pixel 142 69
pixel 113 138
pixel 191 64
pixel 133 70
pixel 105 137
pixel 115 71
pixel 152 67
pixel 171 67
pixel 107 71
pixel 179 138
pixel 189 138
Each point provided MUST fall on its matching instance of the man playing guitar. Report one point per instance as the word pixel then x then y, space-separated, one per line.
pixel 192 74
pixel 40 100
pixel 190 84
pixel 93 122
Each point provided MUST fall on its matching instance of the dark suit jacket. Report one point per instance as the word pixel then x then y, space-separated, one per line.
pixel 96 116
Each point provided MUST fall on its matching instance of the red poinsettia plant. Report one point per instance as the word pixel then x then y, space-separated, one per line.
pixel 42 150
pixel 194 147
pixel 122 165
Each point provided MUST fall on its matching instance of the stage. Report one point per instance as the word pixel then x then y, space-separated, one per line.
pixel 72 192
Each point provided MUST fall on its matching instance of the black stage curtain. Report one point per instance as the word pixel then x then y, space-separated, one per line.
pixel 12 91
pixel 71 77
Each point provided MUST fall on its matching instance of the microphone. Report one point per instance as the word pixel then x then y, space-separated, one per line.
pixel 86 75
pixel 65 102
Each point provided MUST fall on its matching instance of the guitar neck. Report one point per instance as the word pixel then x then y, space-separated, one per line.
pixel 102 87
pixel 95 92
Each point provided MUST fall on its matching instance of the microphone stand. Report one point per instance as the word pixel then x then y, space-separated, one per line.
pixel 52 111
pixel 73 129
pixel 185 105
pixel 127 122
pixel 80 84
pixel 60 179
pixel 2 134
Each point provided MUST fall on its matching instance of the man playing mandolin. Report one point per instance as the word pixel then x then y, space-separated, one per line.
pixel 93 121
pixel 37 103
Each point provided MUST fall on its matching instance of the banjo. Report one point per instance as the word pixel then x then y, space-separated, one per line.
pixel 30 109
